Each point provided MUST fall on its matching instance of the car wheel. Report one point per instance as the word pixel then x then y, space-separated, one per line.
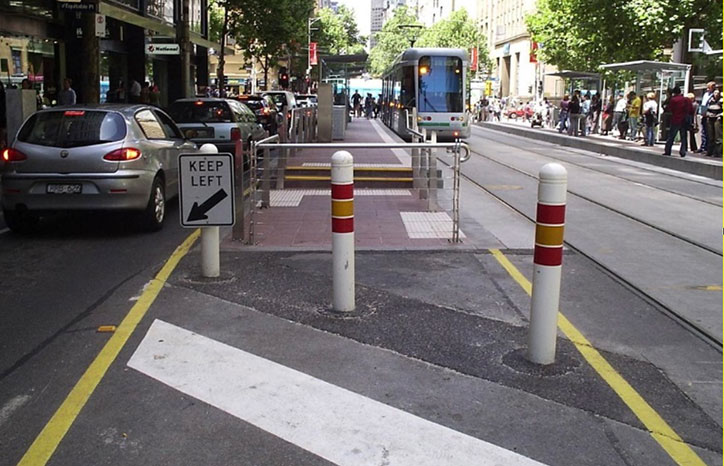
pixel 152 217
pixel 20 222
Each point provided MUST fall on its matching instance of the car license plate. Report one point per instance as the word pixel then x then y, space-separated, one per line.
pixel 75 188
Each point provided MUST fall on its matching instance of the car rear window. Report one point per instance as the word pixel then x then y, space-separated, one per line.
pixel 200 111
pixel 279 99
pixel 253 104
pixel 73 128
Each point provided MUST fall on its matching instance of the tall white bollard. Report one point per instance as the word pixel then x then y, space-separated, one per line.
pixel 547 259
pixel 210 263
pixel 343 231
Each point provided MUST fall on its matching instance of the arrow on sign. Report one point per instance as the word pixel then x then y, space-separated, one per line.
pixel 198 212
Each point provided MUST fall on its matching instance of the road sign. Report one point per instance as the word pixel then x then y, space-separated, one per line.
pixel 163 49
pixel 206 190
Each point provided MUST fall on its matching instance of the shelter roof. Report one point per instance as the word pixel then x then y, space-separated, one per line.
pixel 586 75
pixel 645 65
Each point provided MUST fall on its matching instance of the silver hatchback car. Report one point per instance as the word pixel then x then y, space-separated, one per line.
pixel 102 157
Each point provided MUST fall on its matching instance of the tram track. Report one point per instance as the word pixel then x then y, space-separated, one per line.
pixel 510 140
pixel 687 323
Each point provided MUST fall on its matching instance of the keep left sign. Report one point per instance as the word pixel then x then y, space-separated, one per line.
pixel 206 190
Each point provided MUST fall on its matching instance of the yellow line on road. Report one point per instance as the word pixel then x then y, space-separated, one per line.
pixel 669 440
pixel 50 437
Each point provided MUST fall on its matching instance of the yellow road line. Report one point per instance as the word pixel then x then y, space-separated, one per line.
pixel 50 437
pixel 669 440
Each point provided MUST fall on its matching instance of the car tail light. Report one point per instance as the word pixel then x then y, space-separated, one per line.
pixel 13 155
pixel 235 134
pixel 123 155
pixel 74 113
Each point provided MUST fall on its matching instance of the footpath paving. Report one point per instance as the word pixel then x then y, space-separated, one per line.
pixel 254 368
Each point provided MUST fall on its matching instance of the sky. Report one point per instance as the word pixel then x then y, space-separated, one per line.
pixel 361 10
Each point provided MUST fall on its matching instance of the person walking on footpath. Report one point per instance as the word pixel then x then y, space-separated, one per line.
pixel 619 113
pixel 135 92
pixel 634 114
pixel 563 116
pixel 694 126
pixel 650 111
pixel 680 108
pixel 574 115
pixel 356 99
pixel 703 106
pixel 714 128
pixel 67 95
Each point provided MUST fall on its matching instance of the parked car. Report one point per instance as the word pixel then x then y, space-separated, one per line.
pixel 221 122
pixel 515 113
pixel 282 99
pixel 265 110
pixel 109 157
pixel 307 100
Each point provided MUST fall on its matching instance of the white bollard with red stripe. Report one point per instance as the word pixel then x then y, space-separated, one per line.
pixel 547 259
pixel 343 231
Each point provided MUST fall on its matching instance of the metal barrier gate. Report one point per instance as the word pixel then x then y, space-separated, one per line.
pixel 268 160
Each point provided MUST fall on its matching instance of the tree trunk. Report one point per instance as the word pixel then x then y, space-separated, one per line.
pixel 182 36
pixel 222 62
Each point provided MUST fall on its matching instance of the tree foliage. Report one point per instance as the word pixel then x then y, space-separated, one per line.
pixel 337 33
pixel 583 34
pixel 457 31
pixel 392 40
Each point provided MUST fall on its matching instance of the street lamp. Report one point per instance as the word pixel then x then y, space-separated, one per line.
pixel 310 21
pixel 414 35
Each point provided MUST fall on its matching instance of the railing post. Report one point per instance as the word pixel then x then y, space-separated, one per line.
pixel 547 260
pixel 266 179
pixel 456 194
pixel 343 232
pixel 432 176
pixel 422 168
pixel 238 231
pixel 415 155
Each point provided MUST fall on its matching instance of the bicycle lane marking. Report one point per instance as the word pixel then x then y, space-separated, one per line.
pixel 659 429
pixel 49 438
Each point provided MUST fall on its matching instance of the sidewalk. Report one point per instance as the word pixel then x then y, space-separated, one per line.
pixel 696 164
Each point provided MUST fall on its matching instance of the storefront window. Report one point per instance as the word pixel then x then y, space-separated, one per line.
pixel 132 3
pixel 196 10
pixel 160 9
pixel 42 8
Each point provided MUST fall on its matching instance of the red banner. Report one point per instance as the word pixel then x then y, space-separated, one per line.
pixel 312 53
pixel 534 52
pixel 474 59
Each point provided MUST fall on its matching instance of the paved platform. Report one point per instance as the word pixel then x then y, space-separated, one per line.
pixel 693 163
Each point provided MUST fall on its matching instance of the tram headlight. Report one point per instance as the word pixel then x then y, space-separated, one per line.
pixel 424 69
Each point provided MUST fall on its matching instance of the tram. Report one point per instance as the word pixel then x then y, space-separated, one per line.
pixel 431 80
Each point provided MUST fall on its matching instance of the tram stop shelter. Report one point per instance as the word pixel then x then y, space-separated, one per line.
pixel 591 80
pixel 655 76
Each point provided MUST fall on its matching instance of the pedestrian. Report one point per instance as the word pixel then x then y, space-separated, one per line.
pixel 585 114
pixel 595 114
pixel 619 114
pixel 706 96
pixel 155 95
pixel 145 96
pixel 135 92
pixel 650 114
pixel 607 117
pixel 356 99
pixel 574 115
pixel 563 116
pixel 694 126
pixel 484 111
pixel 634 114
pixel 680 108
pixel 67 95
pixel 369 101
pixel 714 122
pixel 120 92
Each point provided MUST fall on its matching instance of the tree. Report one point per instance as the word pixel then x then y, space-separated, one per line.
pixel 337 32
pixel 457 31
pixel 392 40
pixel 583 34
pixel 270 30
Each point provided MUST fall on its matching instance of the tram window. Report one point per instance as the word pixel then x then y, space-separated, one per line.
pixel 440 84
pixel 408 86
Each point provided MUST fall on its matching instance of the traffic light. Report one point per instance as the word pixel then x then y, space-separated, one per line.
pixel 284 80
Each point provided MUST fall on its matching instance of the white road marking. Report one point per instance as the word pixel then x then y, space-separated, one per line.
pixel 331 422
pixel 11 406
pixel 402 155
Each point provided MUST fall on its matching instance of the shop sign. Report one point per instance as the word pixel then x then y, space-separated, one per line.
pixel 80 6
pixel 163 49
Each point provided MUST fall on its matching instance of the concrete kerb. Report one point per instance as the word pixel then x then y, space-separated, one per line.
pixel 707 168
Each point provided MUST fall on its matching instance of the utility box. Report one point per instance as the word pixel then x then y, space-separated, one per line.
pixel 325 100
pixel 19 104
pixel 339 121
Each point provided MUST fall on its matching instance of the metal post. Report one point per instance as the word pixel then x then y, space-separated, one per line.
pixel 343 231
pixel 209 236
pixel 456 194
pixel 422 168
pixel 547 260
pixel 415 154
pixel 238 231
pixel 266 179
pixel 432 176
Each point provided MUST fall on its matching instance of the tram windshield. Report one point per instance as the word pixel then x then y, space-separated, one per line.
pixel 440 84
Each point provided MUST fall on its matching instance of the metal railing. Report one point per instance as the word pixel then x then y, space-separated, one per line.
pixel 268 161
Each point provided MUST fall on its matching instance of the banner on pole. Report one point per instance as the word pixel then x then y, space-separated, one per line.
pixel 534 52
pixel 474 59
pixel 312 53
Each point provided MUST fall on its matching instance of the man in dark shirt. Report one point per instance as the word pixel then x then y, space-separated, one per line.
pixel 681 113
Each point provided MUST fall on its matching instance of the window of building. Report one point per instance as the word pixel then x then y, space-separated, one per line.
pixel 17 62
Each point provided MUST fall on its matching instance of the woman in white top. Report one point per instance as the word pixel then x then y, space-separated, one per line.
pixel 650 113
